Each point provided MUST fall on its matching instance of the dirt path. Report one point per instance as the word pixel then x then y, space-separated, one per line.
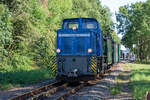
pixel 124 81
pixel 101 90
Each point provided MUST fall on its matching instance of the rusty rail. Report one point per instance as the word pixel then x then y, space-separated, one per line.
pixel 74 90
pixel 47 93
pixel 37 91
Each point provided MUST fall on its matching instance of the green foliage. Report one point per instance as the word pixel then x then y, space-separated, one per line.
pixel 116 89
pixel 16 63
pixel 115 37
pixel 140 80
pixel 7 86
pixel 134 24
pixel 41 51
pixel 20 78
pixel 5 30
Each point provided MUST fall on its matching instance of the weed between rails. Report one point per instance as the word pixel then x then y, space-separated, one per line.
pixel 117 88
pixel 121 80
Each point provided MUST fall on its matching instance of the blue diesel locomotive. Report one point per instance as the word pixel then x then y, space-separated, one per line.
pixel 82 52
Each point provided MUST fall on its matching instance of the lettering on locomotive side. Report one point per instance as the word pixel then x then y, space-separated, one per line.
pixel 74 35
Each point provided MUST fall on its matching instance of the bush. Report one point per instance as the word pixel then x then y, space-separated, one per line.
pixel 5 30
pixel 16 63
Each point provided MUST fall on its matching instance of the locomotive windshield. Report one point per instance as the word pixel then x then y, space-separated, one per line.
pixel 89 25
pixel 80 24
pixel 71 24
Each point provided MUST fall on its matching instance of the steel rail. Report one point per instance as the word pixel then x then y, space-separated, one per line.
pixel 37 91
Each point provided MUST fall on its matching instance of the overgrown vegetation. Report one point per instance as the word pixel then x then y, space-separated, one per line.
pixel 139 80
pixel 28 34
pixel 133 23
pixel 21 78
pixel 118 87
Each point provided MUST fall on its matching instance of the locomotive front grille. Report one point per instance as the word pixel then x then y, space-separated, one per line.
pixel 68 44
pixel 75 46
pixel 75 43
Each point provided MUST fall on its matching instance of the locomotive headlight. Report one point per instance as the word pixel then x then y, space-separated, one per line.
pixel 90 50
pixel 58 50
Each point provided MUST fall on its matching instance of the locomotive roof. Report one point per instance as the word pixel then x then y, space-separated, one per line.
pixel 93 19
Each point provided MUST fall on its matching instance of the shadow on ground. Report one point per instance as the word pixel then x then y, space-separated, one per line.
pixel 101 90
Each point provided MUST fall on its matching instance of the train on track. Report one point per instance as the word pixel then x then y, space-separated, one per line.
pixel 82 50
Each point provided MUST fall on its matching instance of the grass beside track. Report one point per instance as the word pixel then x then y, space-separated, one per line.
pixel 12 79
pixel 117 88
pixel 139 80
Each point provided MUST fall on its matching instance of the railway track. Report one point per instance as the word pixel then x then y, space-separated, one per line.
pixel 39 92
pixel 57 90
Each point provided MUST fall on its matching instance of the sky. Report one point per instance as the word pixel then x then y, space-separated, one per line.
pixel 114 5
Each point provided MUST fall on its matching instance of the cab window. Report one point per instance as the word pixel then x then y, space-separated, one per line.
pixel 71 24
pixel 89 25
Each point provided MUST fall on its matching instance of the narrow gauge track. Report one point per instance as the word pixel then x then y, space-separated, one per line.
pixel 82 85
pixel 58 90
pixel 50 88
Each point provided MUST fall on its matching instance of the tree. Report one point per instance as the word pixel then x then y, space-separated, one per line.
pixel 134 25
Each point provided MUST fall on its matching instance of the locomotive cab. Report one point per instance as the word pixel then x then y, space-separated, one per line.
pixel 79 42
